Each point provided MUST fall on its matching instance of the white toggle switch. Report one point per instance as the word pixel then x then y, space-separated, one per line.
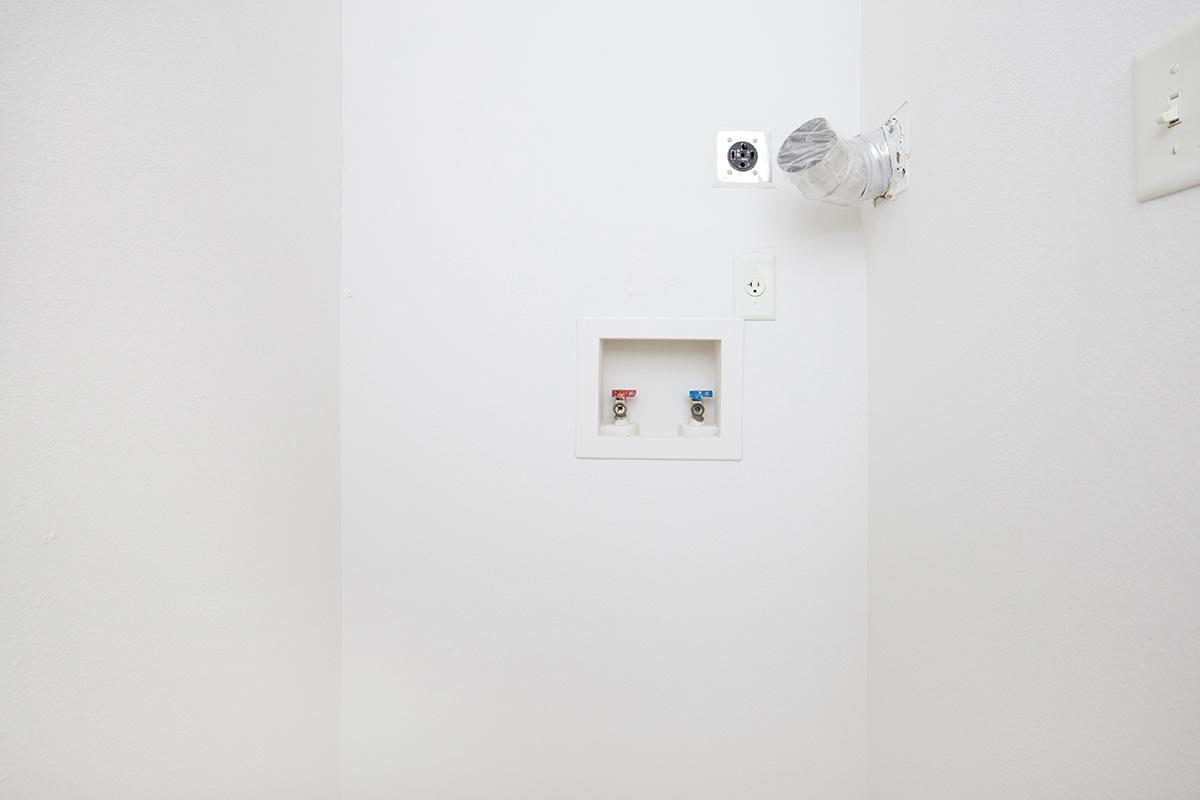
pixel 1166 141
pixel 1174 113
pixel 754 287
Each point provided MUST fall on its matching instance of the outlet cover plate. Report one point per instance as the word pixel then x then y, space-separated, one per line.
pixel 758 175
pixel 754 286
pixel 1168 156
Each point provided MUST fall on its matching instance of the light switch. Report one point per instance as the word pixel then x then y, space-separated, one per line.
pixel 1174 113
pixel 1166 88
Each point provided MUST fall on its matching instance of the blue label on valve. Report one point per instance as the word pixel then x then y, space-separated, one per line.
pixel 700 394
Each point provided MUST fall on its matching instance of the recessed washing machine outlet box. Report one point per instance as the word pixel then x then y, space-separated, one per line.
pixel 1166 113
pixel 665 359
pixel 743 158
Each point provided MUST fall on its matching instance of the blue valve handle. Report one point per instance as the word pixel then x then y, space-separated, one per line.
pixel 700 394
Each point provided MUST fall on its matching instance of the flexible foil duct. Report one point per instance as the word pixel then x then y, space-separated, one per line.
pixel 826 167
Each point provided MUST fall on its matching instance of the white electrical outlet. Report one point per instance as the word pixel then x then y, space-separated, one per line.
pixel 754 286
pixel 743 158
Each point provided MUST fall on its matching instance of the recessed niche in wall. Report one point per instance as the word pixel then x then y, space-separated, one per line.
pixel 664 360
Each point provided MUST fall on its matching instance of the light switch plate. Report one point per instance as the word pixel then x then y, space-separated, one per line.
pixel 754 286
pixel 1167 75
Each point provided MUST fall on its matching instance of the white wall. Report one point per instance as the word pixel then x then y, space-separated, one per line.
pixel 1035 607
pixel 520 624
pixel 168 400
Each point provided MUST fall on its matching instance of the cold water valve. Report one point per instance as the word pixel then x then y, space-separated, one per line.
pixel 696 426
pixel 696 397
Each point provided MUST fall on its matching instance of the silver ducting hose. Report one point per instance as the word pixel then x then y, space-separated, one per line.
pixel 829 168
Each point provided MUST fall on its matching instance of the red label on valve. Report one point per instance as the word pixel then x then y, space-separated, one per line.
pixel 624 394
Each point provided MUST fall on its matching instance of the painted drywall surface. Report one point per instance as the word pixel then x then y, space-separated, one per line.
pixel 521 624
pixel 1034 416
pixel 169 598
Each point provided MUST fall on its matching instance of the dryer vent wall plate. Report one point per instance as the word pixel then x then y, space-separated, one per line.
pixel 742 159
pixel 1166 113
